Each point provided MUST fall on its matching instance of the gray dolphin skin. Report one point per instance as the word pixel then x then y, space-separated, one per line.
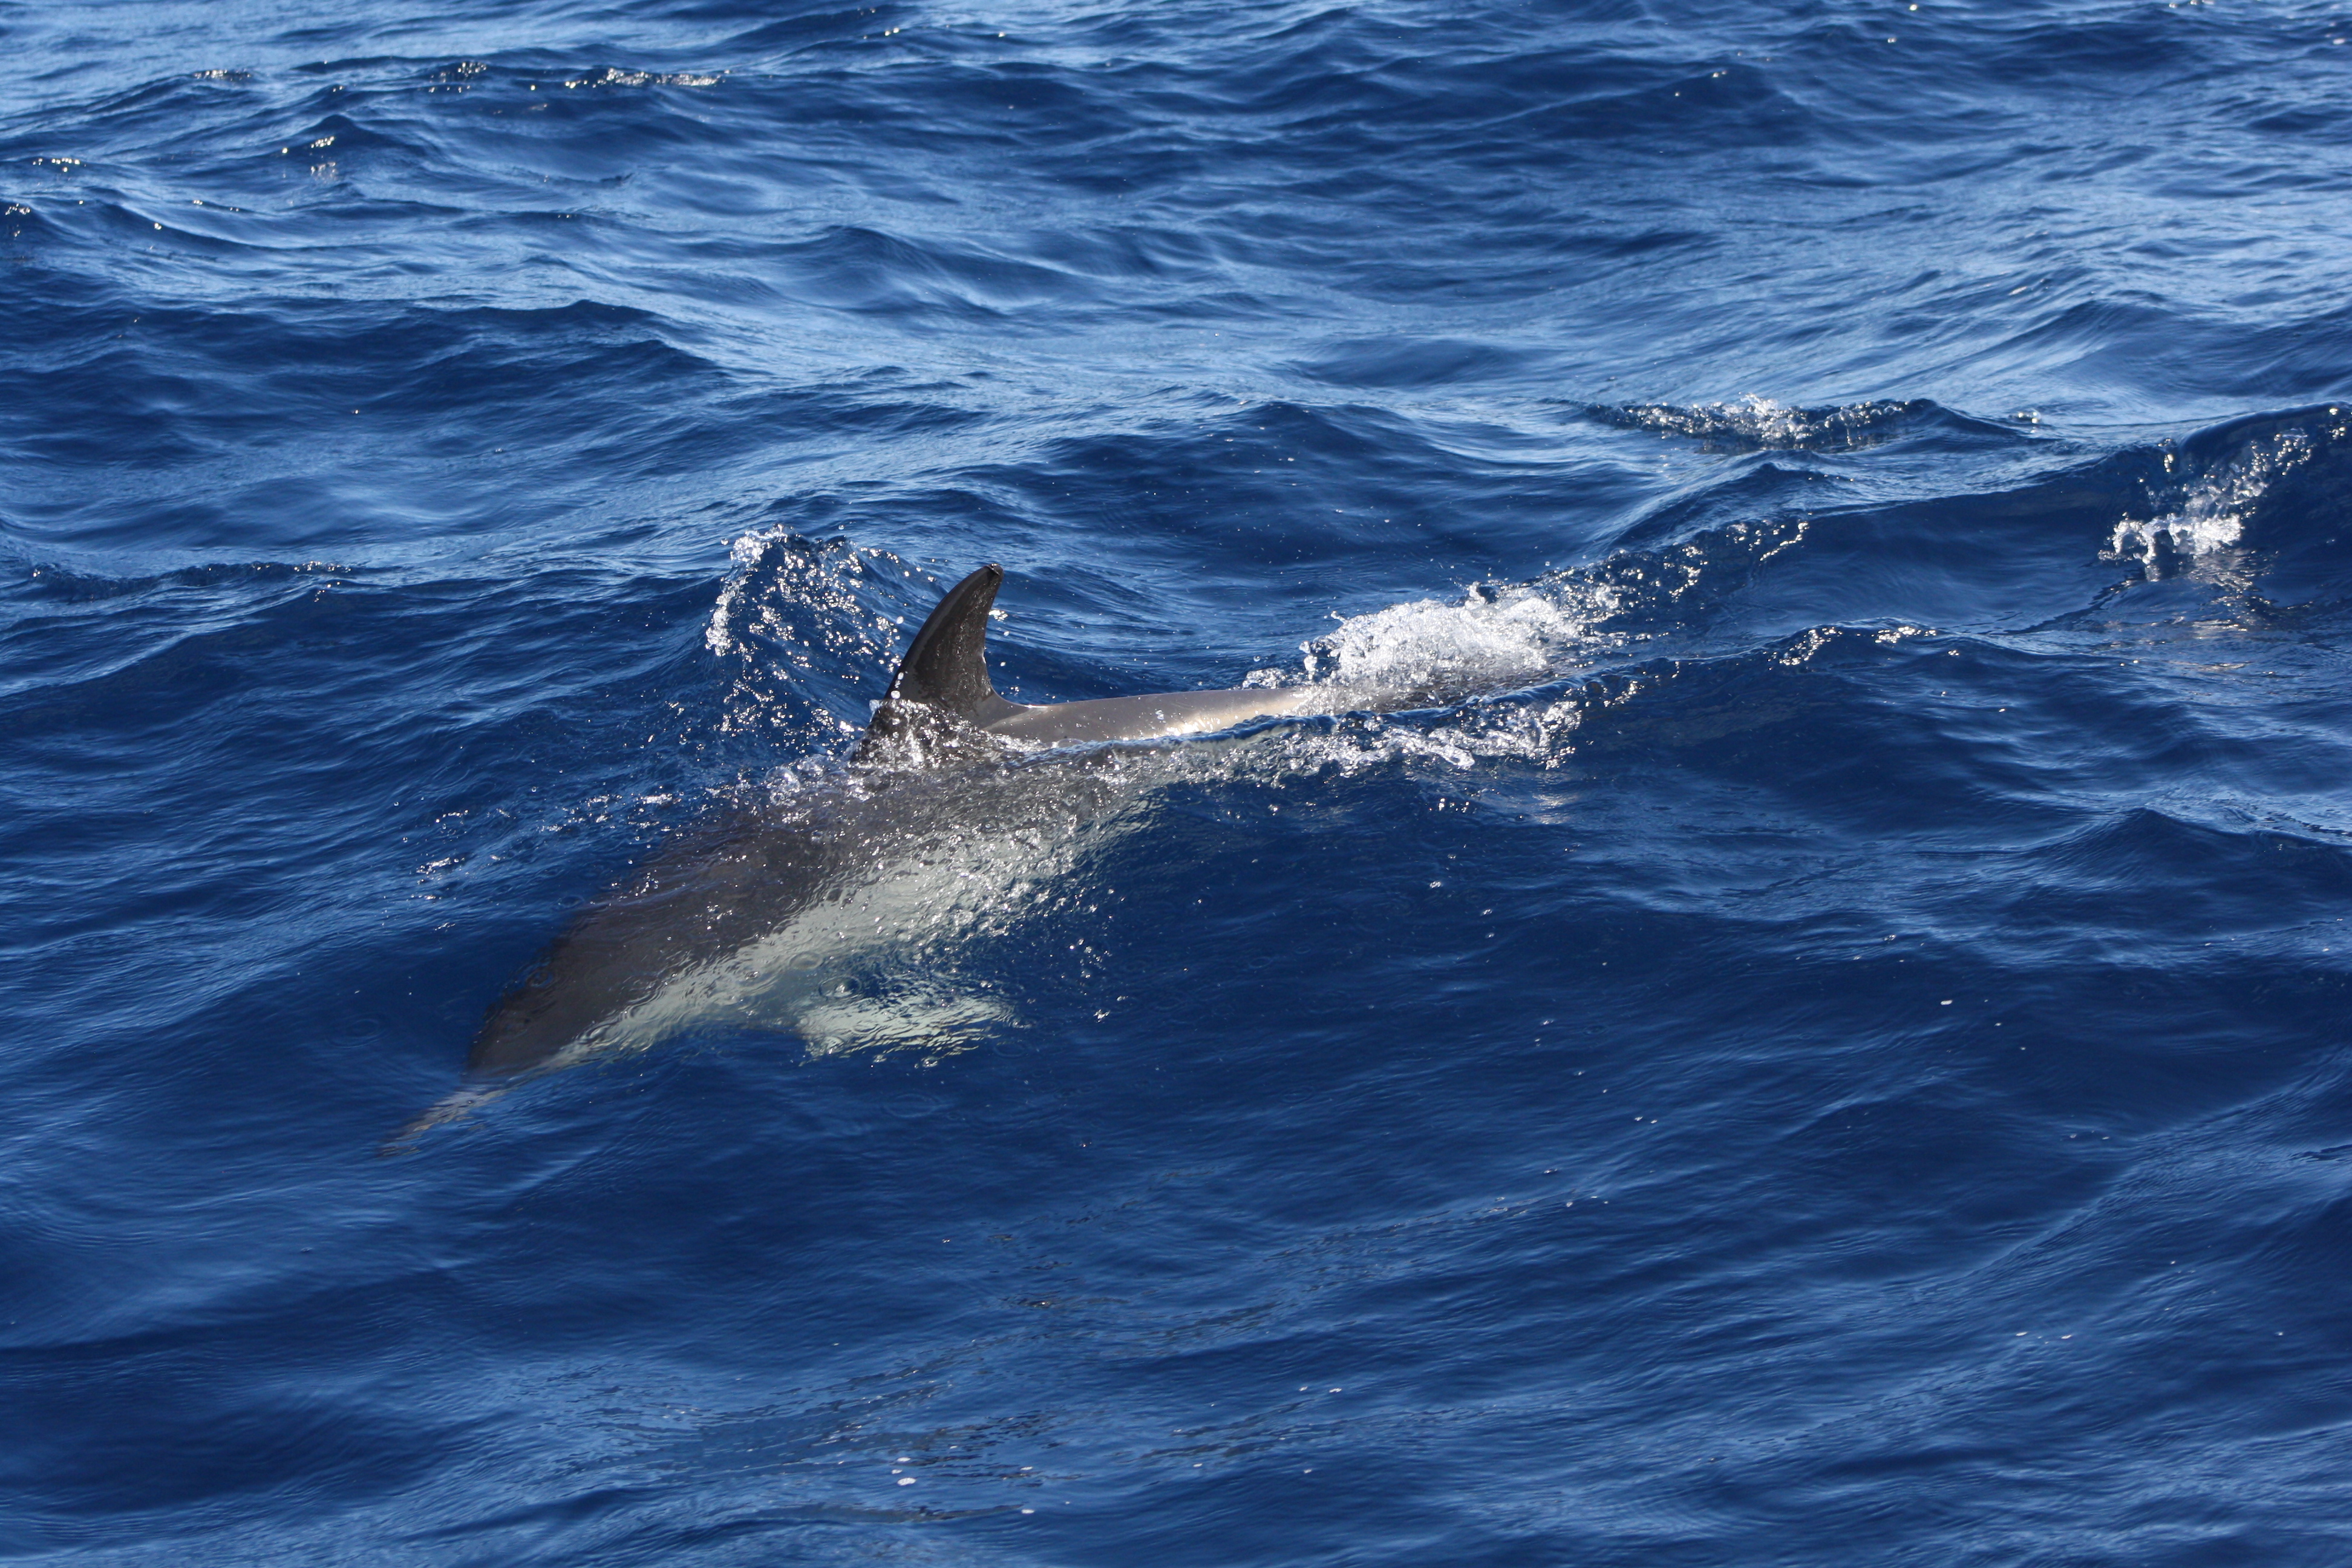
pixel 946 672
pixel 779 919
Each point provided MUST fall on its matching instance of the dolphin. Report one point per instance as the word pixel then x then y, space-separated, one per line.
pixel 841 917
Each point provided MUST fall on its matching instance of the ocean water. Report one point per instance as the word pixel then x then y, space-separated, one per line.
pixel 1817 1035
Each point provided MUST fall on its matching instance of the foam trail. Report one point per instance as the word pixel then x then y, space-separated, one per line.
pixel 1426 651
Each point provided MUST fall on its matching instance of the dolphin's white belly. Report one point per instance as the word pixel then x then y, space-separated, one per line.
pixel 874 961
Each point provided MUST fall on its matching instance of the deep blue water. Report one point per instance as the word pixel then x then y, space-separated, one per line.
pixel 1824 1042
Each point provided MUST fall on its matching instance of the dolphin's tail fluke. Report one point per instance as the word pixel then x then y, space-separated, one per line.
pixel 455 1106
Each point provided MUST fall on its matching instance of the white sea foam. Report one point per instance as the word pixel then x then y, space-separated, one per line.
pixel 1427 650
pixel 1758 421
pixel 613 76
pixel 2210 515
pixel 742 555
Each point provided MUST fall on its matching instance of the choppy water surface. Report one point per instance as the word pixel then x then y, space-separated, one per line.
pixel 1818 1038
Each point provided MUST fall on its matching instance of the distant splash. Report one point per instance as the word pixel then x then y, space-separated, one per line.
pixel 1755 423
pixel 613 76
pixel 2207 514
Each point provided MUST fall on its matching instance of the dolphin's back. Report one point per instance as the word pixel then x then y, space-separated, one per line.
pixel 945 673
pixel 1149 718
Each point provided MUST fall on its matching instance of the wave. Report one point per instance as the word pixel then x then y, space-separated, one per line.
pixel 1755 423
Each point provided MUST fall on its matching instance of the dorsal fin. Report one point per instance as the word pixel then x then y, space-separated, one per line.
pixel 943 694
pixel 943 681
pixel 946 667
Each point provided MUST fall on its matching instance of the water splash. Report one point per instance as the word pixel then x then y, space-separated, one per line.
pixel 613 76
pixel 2209 515
pixel 794 616
pixel 1426 651
pixel 1755 423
